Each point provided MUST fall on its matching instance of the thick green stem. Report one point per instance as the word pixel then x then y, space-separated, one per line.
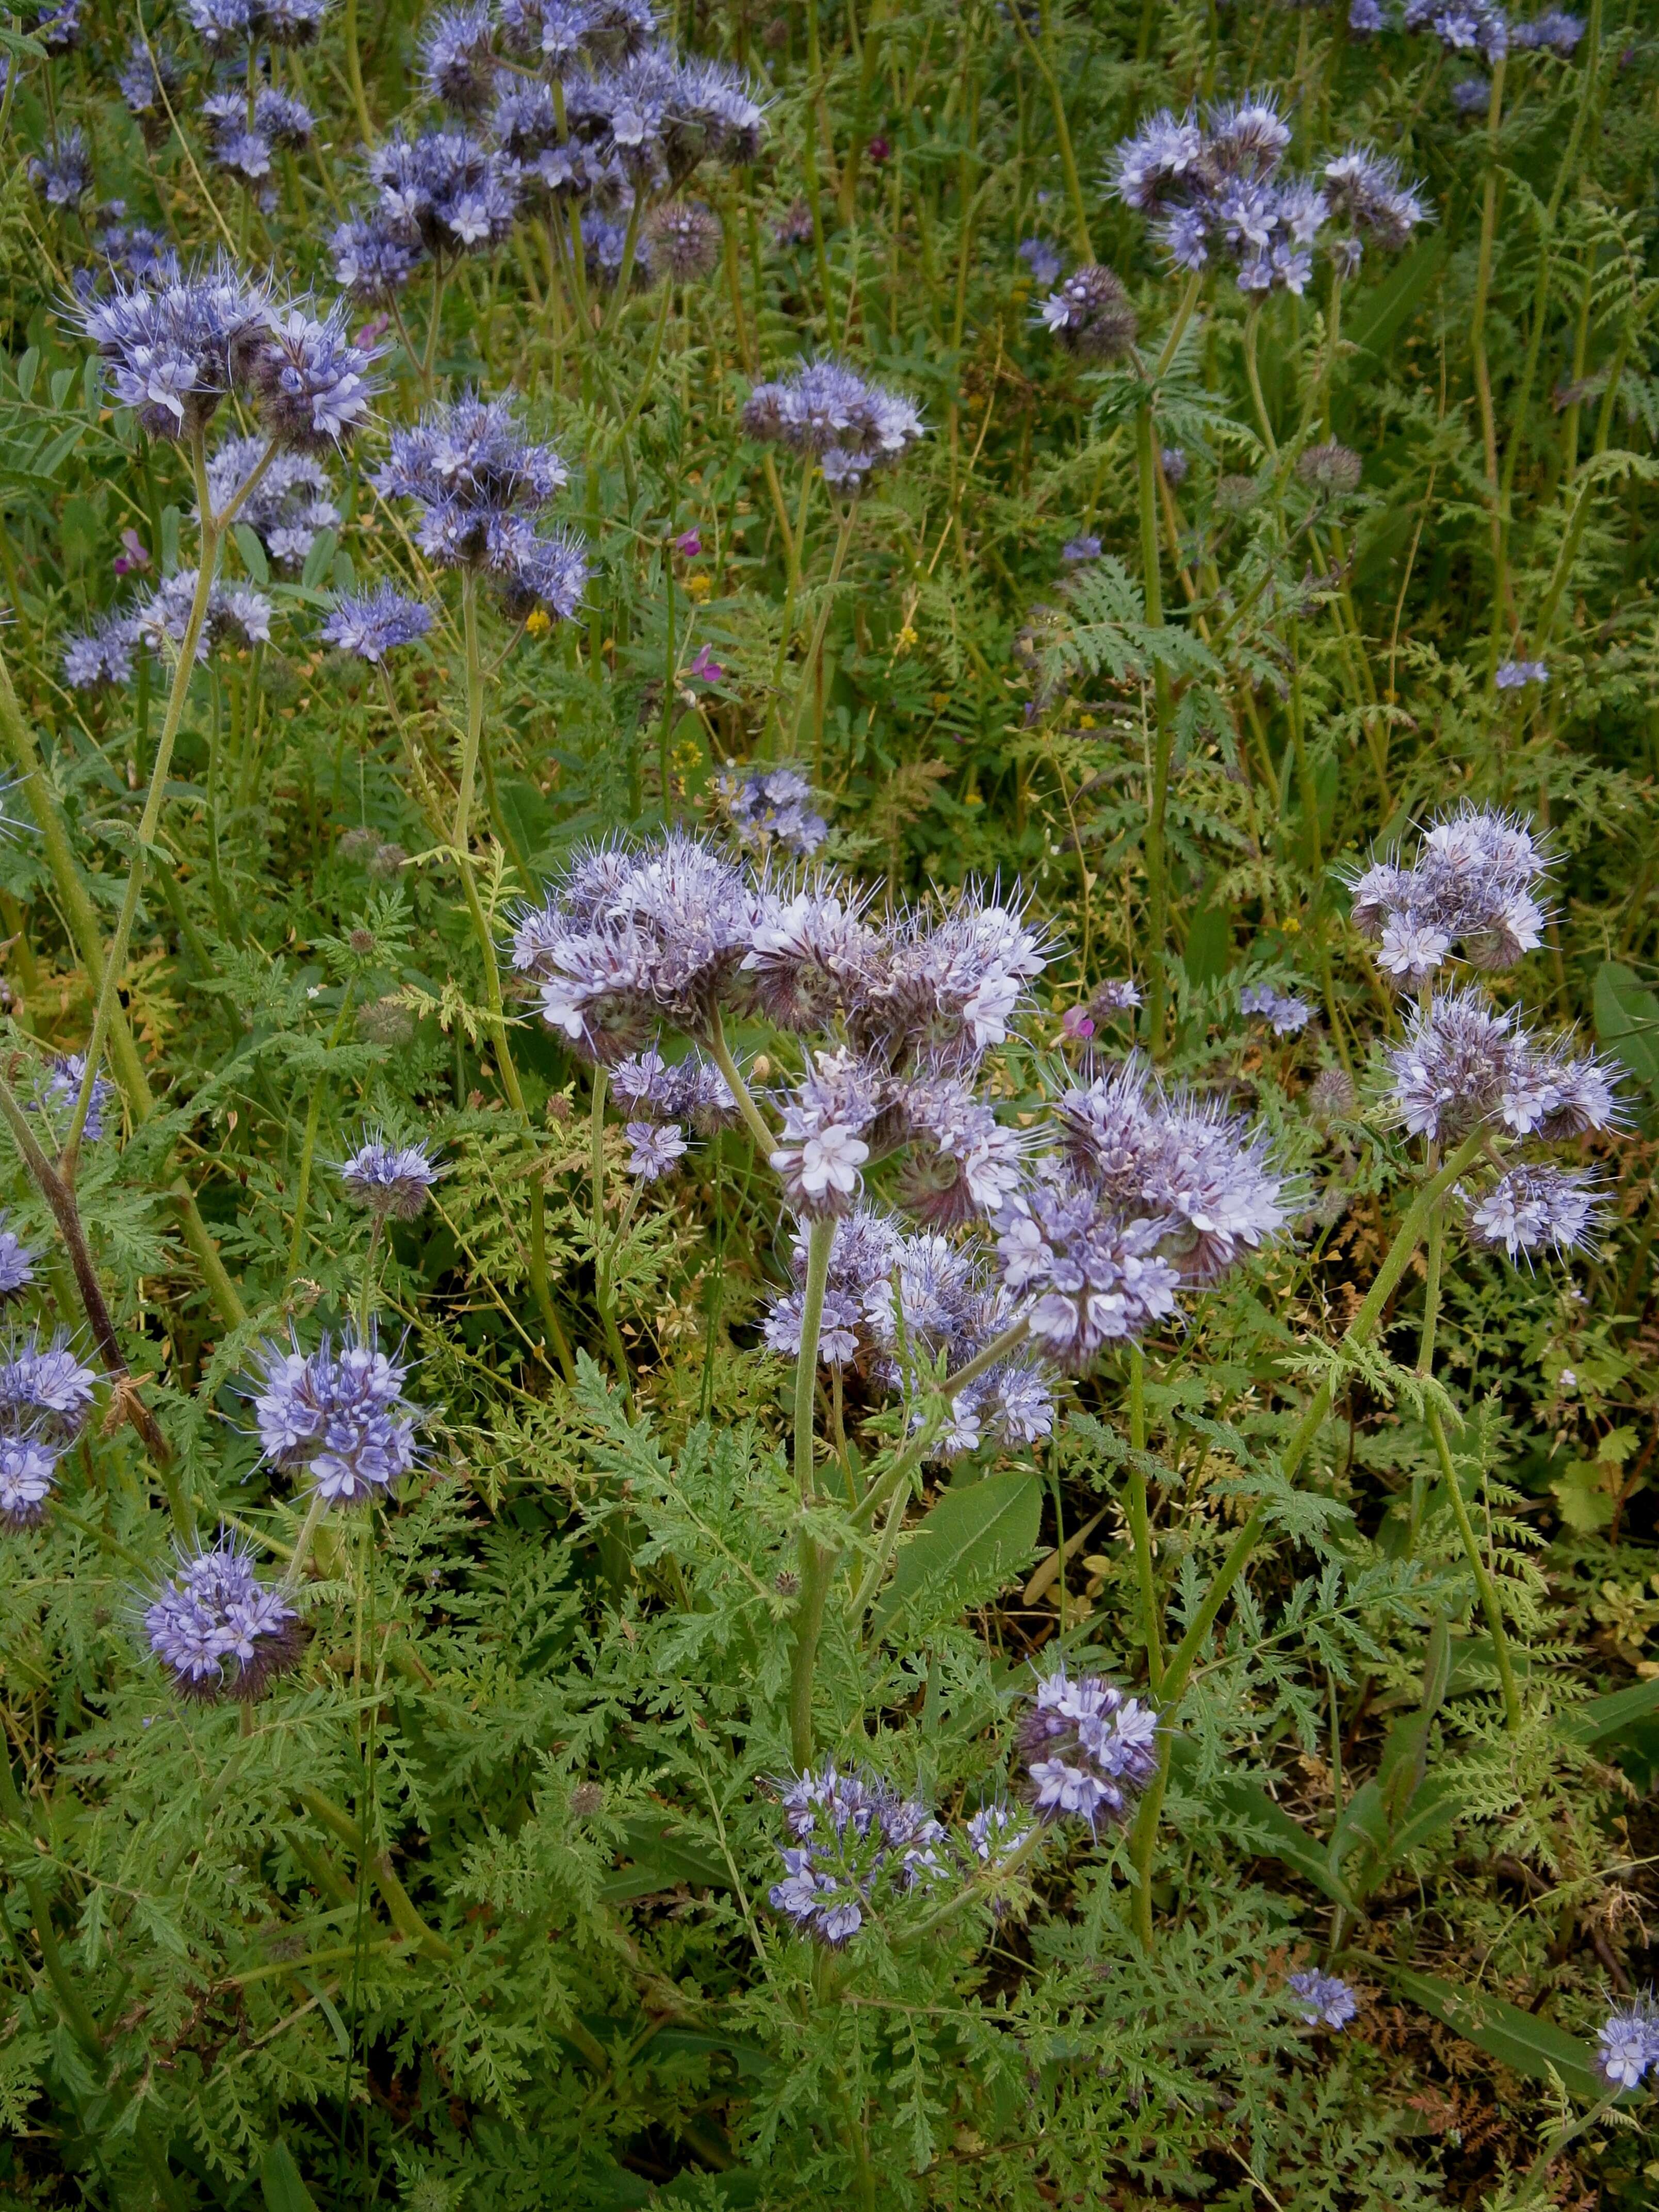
pixel 720 1052
pixel 816 1560
pixel 1140 1521
pixel 400 1906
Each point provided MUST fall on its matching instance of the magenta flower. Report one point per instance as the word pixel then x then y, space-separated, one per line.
pixel 1076 1023
pixel 689 544
pixel 132 554
pixel 706 667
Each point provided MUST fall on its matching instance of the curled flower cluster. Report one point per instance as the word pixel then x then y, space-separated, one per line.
pixel 46 1398
pixel 338 1417
pixel 855 1847
pixel 1091 314
pixel 1628 2044
pixel 392 1182
pixel 371 624
pixel 16 1262
pixel 1516 675
pixel 236 614
pixel 1463 1067
pixel 1211 183
pixel 218 1630
pixel 1284 1012
pixel 772 807
pixel 287 507
pixel 230 27
pixel 149 81
pixel 1471 886
pixel 177 345
pixel 1089 1749
pixel 248 144
pixel 1324 2000
pixel 62 174
pixel 848 425
pixel 480 486
pixel 55 1089
pixel 657 1098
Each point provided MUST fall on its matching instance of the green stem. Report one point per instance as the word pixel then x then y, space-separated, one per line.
pixel 1139 1521
pixel 1158 886
pixel 809 666
pixel 816 1560
pixel 400 1906
pixel 1482 291
pixel 314 1511
pixel 1252 319
pixel 1483 1581
pixel 625 274
pixel 1042 56
pixel 720 1052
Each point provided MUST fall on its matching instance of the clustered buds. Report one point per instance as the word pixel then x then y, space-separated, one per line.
pixel 850 426
pixel 373 624
pixel 772 807
pixel 392 1182
pixel 855 1846
pixel 1471 887
pixel 1091 314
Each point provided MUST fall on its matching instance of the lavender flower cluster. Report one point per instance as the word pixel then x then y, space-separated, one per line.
pixel 1628 2044
pixel 287 507
pixel 659 1098
pixel 591 109
pixel 1477 29
pixel 372 624
pixel 336 1417
pixel 771 808
pixel 848 425
pixel 248 137
pixel 1324 2000
pixel 54 1088
pixel 236 614
pixel 178 346
pixel 218 1630
pixel 46 1398
pixel 480 487
pixel 391 1181
pixel 853 1847
pixel 1284 1013
pixel 1465 1066
pixel 895 1300
pixel 1211 183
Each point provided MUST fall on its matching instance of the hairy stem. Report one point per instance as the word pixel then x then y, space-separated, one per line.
pixel 1483 1581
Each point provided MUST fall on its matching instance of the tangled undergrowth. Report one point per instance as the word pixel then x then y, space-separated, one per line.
pixel 831 1058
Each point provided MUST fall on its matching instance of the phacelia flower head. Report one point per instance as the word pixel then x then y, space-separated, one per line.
pixel 637 936
pixel 102 654
pixel 218 1630
pixel 1082 1274
pixel 16 1263
pixel 55 1089
pixel 655 118
pixel 149 81
pixel 770 806
pixel 1201 1172
pixel 336 1417
pixel 236 614
pixel 1554 31
pixel 827 410
pixel 691 1090
pixel 1628 2043
pixel 566 34
pixel 1516 675
pixel 1324 2000
pixel 446 193
pixel 371 624
pixel 856 1848
pixel 1463 26
pixel 1089 1749
pixel 374 259
pixel 1284 1013
pixel 810 957
pixel 655 1149
pixel 824 1119
pixel 44 1391
pixel 946 986
pixel 1534 1209
pixel 1091 314
pixel 1462 1066
pixel 457 65
pixel 687 237
pixel 310 385
pixel 176 347
pixel 289 504
pixel 62 174
pixel 1471 885
pixel 28 1475
pixel 393 1181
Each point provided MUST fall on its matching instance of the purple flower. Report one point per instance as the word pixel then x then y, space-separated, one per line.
pixel 655 118
pixel 1286 1014
pixel 690 1091
pixel 56 1089
pixel 1082 1274
pixel 102 654
pixel 62 174
pixel 1471 96
pixel 1076 1024
pixel 217 1629
pixel 1088 1749
pixel 708 670
pixel 234 613
pixel 44 1391
pixel 1515 675
pixel 1091 314
pixel 1080 548
pixel 309 383
pixel 1043 259
pixel 372 260
pixel 655 1149
pixel 823 1149
pixel 177 346
pixel 1325 2000
pixel 1528 1208
pixel 1462 1066
pixel 563 32
pixel 289 506
pixel 855 1847
pixel 1118 994
pixel 28 1474
pixel 373 624
pixel 1628 2044
pixel 393 1181
pixel 444 192
pixel 457 65
pixel 1554 32
pixel 337 1417
pixel 1471 883
pixel 769 807
pixel 16 1263
pixel 689 544
pixel 1463 26
pixel 133 554
pixel 827 410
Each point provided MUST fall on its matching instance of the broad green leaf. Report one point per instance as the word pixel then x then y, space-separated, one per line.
pixel 1627 1023
pixel 320 560
pixel 280 2183
pixel 252 553
pixel 970 1546
pixel 1517 2039
pixel 27 369
pixel 1604 1718
pixel 1583 1497
pixel 1268 1827
pixel 659 1858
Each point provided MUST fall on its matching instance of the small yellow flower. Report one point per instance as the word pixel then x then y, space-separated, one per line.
pixel 1086 721
pixel 907 638
pixel 538 622
pixel 941 701
pixel 698 586
pixel 685 757
pixel 1292 927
